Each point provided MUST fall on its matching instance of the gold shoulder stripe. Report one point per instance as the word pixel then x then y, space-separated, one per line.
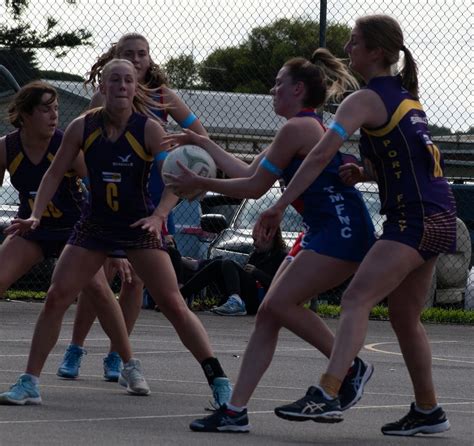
pixel 137 147
pixel 91 138
pixel 50 157
pixel 404 107
pixel 15 163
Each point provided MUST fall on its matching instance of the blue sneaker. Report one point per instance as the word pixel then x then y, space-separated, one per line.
pixel 69 368
pixel 233 307
pixel 112 367
pixel 22 392
pixel 221 391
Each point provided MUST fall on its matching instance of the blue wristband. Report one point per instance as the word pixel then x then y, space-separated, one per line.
pixel 188 121
pixel 160 156
pixel 271 167
pixel 86 181
pixel 339 129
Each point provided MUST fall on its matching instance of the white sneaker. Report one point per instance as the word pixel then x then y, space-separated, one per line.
pixel 132 378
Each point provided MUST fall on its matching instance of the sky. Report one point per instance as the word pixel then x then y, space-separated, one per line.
pixel 438 32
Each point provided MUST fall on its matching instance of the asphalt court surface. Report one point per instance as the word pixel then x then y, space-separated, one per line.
pixel 90 411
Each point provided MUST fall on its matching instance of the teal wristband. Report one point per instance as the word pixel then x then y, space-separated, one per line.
pixel 271 167
pixel 339 129
pixel 189 120
pixel 160 156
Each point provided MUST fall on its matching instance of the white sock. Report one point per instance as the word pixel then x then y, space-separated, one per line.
pixel 34 379
pixel 235 408
pixel 236 297
pixel 326 395
pixel 424 411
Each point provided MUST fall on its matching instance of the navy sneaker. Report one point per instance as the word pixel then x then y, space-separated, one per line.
pixel 313 406
pixel 221 391
pixel 24 391
pixel 223 420
pixel 112 367
pixel 354 382
pixel 416 422
pixel 69 368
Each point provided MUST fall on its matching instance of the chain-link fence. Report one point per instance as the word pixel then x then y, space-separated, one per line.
pixel 221 58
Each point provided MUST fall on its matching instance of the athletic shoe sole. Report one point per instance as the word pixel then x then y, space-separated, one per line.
pixel 367 375
pixel 222 313
pixel 224 429
pixel 329 417
pixel 436 429
pixel 139 392
pixel 25 402
pixel 66 375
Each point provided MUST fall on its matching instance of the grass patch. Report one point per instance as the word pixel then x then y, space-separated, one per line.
pixel 25 295
pixel 433 315
pixel 380 312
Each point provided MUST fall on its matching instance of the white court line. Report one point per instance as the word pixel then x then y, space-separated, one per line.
pixel 195 415
pixel 373 348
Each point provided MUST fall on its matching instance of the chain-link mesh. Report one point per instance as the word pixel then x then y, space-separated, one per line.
pixel 222 57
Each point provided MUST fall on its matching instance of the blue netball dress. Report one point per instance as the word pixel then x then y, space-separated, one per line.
pixel 119 196
pixel 62 212
pixel 408 168
pixel 338 223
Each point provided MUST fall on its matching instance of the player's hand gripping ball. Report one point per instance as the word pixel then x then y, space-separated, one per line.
pixel 194 158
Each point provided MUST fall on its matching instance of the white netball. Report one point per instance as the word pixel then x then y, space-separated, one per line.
pixel 194 158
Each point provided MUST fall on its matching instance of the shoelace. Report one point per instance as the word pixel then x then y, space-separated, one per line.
pixel 135 374
pixel 113 362
pixel 70 358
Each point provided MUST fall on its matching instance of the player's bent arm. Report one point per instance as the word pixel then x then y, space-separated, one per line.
pixel 248 187
pixel 180 112
pixel 154 135
pixel 67 153
pixel 352 114
pixel 167 202
pixel 79 165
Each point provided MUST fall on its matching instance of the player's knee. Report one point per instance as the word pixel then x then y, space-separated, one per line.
pixel 174 308
pixel 58 299
pixel 269 313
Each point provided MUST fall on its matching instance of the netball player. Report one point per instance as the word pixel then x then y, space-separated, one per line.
pixel 339 230
pixel 135 48
pixel 27 153
pixel 118 145
pixel 421 222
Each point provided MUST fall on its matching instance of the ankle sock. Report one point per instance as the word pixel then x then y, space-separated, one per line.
pixel 330 385
pixel 34 379
pixel 235 408
pixel 424 410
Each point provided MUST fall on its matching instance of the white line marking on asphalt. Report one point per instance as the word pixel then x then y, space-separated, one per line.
pixel 374 348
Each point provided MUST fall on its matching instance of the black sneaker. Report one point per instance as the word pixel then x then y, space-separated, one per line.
pixel 418 423
pixel 313 406
pixel 353 385
pixel 223 420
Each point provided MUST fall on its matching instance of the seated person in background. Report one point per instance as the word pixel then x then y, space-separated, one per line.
pixel 241 285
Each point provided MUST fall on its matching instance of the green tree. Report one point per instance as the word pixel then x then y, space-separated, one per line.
pixel 251 67
pixel 182 71
pixel 18 41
